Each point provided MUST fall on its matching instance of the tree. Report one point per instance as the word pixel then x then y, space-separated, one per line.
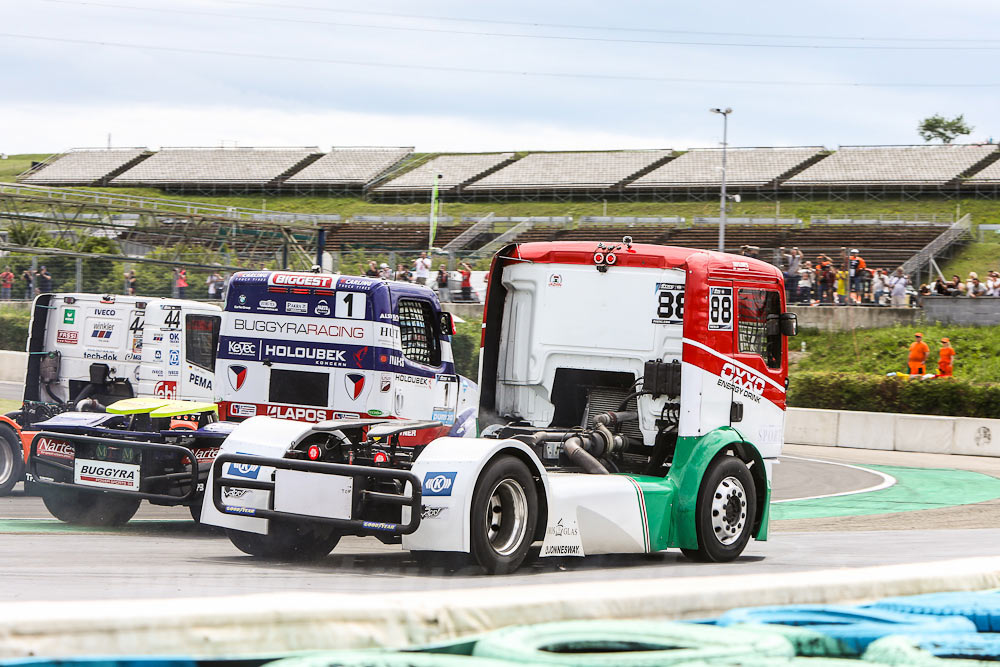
pixel 945 129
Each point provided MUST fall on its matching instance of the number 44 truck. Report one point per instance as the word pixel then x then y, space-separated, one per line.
pixel 632 400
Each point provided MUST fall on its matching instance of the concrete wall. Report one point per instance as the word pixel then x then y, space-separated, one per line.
pixel 13 366
pixel 846 318
pixel 983 311
pixel 889 431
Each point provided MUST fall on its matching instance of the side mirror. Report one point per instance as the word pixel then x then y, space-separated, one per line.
pixel 789 324
pixel 447 324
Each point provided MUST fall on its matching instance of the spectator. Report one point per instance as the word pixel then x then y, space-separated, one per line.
pixel 880 286
pixel 946 357
pixel 843 293
pixel 993 284
pixel 372 270
pixel 28 276
pixel 6 283
pixel 422 269
pixel 941 288
pixel 956 286
pixel 792 262
pixel 917 359
pixel 897 288
pixel 807 280
pixel 214 284
pixel 855 265
pixel 384 272
pixel 130 283
pixel 180 281
pixel 444 294
pixel 402 274
pixel 466 272
pixel 975 288
pixel 44 281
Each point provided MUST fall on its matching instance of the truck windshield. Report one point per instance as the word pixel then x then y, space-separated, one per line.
pixel 417 332
pixel 201 333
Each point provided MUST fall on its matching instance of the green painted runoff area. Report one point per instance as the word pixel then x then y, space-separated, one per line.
pixel 141 526
pixel 915 489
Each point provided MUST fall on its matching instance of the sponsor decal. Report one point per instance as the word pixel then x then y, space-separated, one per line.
pixel 57 449
pixel 312 330
pixel 165 389
pixel 233 509
pixel 157 338
pixel 355 384
pixel 555 280
pixel 346 415
pixel 199 381
pixel 438 483
pixel 443 415
pixel 158 355
pixel 741 266
pixel 173 374
pixel 378 525
pixel 446 377
pixel 562 550
pixel 157 372
pixel 102 356
pixel 356 282
pixel 392 317
pixel 414 379
pixel 104 312
pixel 298 307
pixel 297 413
pixel 242 299
pixel 237 376
pixel 741 382
pixel 427 512
pixel 242 348
pixel 374 412
pixel 230 492
pixel 67 337
pixel 242 410
pixel 313 354
pixel 559 529
pixel 770 434
pixel 385 384
pixel 69 316
pixel 175 357
pixel 267 304
pixel 391 360
pixel 206 453
pixel 107 474
pixel 359 357
pixel 245 470
pixel 300 280
pixel 169 306
pixel 322 308
pixel 102 331
pixel 175 337
pixel 380 456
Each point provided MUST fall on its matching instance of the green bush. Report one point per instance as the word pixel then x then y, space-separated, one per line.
pixel 953 397
pixel 14 329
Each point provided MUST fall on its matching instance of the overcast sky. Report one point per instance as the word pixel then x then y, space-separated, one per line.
pixel 518 75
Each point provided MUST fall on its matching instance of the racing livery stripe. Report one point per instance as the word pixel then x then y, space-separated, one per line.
pixel 742 379
pixel 705 348
pixel 642 512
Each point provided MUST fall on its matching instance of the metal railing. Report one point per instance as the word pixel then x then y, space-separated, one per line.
pixel 483 225
pixel 506 237
pixel 959 231
pixel 880 218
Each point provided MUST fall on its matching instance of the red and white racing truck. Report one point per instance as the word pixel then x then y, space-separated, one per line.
pixel 632 400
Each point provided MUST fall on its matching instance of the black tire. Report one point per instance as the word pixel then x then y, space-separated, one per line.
pixel 504 514
pixel 11 459
pixel 725 511
pixel 287 541
pixel 84 508
pixel 440 560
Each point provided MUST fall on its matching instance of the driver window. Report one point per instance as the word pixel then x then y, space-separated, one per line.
pixel 755 305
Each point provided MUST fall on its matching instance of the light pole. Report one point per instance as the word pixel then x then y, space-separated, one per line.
pixel 722 196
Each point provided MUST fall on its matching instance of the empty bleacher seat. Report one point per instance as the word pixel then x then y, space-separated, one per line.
pixel 702 167
pixel 887 165
pixel 83 166
pixel 214 166
pixel 562 171
pixel 349 166
pixel 455 170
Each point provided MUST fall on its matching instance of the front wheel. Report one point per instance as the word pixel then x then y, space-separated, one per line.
pixel 725 511
pixel 504 514
pixel 287 541
pixel 11 459
pixel 89 508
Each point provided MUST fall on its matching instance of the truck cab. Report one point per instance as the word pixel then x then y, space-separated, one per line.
pixel 315 347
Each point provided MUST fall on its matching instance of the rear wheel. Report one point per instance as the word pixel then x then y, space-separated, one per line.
pixel 88 509
pixel 11 459
pixel 725 511
pixel 287 541
pixel 504 514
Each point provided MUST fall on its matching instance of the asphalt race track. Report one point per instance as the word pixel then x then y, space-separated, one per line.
pixel 917 508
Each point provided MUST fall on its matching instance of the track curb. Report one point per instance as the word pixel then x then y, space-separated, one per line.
pixel 284 622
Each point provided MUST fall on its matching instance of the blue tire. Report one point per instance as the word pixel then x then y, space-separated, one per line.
pixel 982 608
pixel 909 652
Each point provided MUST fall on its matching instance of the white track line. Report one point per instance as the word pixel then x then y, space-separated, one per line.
pixel 887 481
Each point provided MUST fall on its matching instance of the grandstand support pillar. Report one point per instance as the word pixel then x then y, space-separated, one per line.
pixel 284 255
pixel 320 246
pixel 79 271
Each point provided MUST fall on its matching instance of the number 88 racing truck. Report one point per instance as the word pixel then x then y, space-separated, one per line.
pixel 632 400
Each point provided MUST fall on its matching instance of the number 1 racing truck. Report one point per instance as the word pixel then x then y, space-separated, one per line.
pixel 307 346
pixel 632 400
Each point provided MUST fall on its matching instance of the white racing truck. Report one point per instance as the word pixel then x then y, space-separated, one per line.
pixel 86 351
pixel 632 400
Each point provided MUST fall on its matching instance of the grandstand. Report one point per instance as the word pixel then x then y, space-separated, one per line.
pixel 85 166
pixel 564 172
pixel 204 169
pixel 745 168
pixel 894 166
pixel 455 172
pixel 348 168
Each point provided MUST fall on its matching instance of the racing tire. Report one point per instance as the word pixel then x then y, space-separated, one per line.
pixel 287 541
pixel 89 509
pixel 11 459
pixel 725 511
pixel 504 514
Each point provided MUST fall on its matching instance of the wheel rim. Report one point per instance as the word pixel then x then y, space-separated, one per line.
pixel 729 510
pixel 506 517
pixel 6 461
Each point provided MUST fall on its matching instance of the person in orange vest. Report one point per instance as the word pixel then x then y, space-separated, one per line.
pixel 918 355
pixel 945 357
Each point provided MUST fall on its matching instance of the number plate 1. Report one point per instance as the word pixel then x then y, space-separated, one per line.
pixel 313 494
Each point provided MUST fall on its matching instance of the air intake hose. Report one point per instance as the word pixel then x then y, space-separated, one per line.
pixel 580 457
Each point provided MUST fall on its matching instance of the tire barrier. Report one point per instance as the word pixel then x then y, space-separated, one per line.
pixel 834 630
pixel 629 644
pixel 983 609
pixel 908 652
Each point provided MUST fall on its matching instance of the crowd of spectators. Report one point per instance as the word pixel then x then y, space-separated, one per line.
pixel 419 271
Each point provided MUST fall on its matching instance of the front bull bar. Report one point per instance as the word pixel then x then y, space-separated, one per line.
pixel 34 461
pixel 412 501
